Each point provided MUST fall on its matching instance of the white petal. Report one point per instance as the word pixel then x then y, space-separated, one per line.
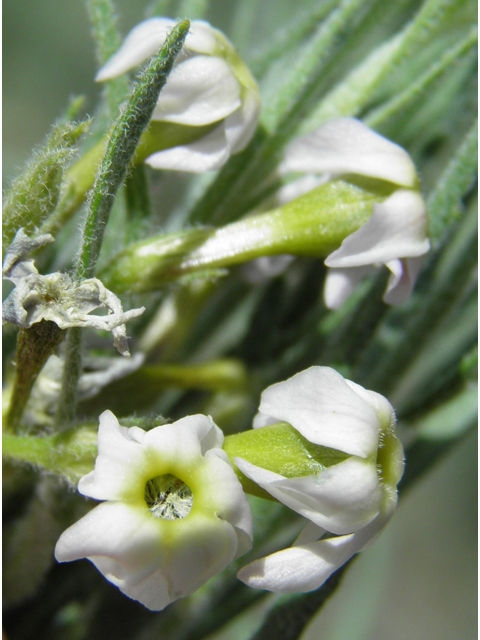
pixel 379 404
pixel 199 91
pixel 152 589
pixel 207 154
pixel 134 551
pixel 319 403
pixel 299 569
pixel 126 534
pixel 203 547
pixel 397 228
pixel 340 284
pixel 181 440
pixel 340 499
pixel 142 42
pixel 230 503
pixel 346 145
pixel 403 278
pixel 118 454
pixel 241 125
pixel 202 38
pixel 306 567
pixel 310 533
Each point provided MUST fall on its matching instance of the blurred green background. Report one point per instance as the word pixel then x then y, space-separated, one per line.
pixel 419 580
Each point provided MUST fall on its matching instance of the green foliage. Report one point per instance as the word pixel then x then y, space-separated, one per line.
pixel 34 194
pixel 108 41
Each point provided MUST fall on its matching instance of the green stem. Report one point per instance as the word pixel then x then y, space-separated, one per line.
pixel 34 347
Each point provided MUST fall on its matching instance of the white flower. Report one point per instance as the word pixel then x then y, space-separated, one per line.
pixel 175 514
pixel 353 498
pixel 209 85
pixel 396 232
pixel 57 298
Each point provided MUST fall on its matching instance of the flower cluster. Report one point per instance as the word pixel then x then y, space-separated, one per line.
pixel 175 513
pixel 210 94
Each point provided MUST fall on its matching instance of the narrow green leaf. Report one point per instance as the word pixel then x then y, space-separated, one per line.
pixel 437 361
pixel 352 94
pixel 108 41
pixel 289 37
pixel 417 89
pixel 158 8
pixel 122 145
pixel 120 150
pixel 442 204
pixel 438 431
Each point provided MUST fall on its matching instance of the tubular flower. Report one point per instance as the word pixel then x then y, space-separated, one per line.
pixel 396 232
pixel 175 514
pixel 210 94
pixel 353 498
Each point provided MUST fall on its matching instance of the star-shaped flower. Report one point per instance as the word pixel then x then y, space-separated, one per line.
pixel 174 514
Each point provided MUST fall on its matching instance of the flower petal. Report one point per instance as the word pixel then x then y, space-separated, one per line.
pixel 230 503
pixel 182 440
pixel 340 284
pixel 346 145
pixel 397 228
pixel 122 532
pixel 129 546
pixel 310 533
pixel 403 278
pixel 379 404
pixel 319 403
pixel 207 154
pixel 202 38
pixel 341 499
pixel 299 569
pixel 119 451
pixel 199 91
pixel 306 567
pixel 241 124
pixel 142 42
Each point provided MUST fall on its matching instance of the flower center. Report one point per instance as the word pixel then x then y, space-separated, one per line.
pixel 168 497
